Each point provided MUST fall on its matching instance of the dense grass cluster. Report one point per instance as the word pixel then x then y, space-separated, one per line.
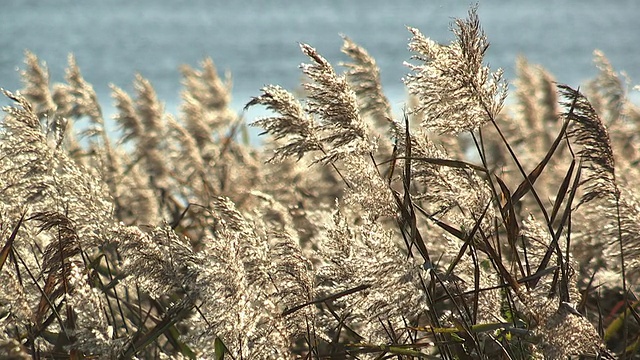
pixel 462 228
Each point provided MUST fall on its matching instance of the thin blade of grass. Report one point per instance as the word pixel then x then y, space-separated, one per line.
pixel 511 223
pixel 219 348
pixel 327 298
pixel 553 246
pixel 169 320
pixel 477 328
pixel 582 305
pixel 509 213
pixel 38 329
pixel 459 164
pixel 468 239
pixel 527 183
pixel 394 161
pixel 6 250
pixel 341 323
pixel 402 223
pixel 395 349
pixel 562 191
pixel 408 210
pixel 450 229
pixel 523 280
pixel 174 337
pixel 615 326
pixel 502 270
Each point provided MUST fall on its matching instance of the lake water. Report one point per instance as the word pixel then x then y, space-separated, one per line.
pixel 257 41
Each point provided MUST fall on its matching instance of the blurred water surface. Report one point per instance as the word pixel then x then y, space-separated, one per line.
pixel 257 41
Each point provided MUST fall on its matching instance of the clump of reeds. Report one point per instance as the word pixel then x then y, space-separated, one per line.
pixel 462 228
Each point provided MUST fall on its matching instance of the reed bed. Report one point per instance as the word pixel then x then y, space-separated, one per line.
pixel 465 227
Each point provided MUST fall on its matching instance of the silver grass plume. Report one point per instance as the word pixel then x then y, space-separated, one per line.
pixel 459 195
pixel 197 122
pixel 292 123
pixel 188 161
pixel 236 289
pixel 364 76
pixel 22 117
pixel 608 90
pixel 206 103
pixel 151 146
pixel 601 187
pixel 142 122
pixel 16 300
pixel 558 328
pixel 127 116
pixel 567 333
pixel 206 133
pixel 341 133
pixel 293 278
pixel 608 96
pixel 59 255
pixel 590 133
pixel 93 333
pixel 370 192
pixel 206 87
pixel 159 261
pixel 36 85
pixel 77 98
pixel 45 178
pixel 537 105
pixel 37 91
pixel 136 201
pixel 366 257
pixel 629 233
pixel 331 98
pixel 133 188
pixel 456 92
pixel 60 195
pixel 254 250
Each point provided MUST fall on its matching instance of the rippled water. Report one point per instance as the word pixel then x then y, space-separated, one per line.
pixel 257 41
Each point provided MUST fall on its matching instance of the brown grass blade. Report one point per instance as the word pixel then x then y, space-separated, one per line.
pixel 468 238
pixel 448 228
pixel 58 260
pixel 7 247
pixel 523 280
pixel 392 168
pixel 511 222
pixel 406 205
pixel 527 183
pixel 553 246
pixel 174 315
pixel 327 298
pixel 459 164
pixel 504 273
pixel 38 329
pixel 562 191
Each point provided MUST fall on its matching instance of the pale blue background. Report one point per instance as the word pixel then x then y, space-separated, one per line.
pixel 258 40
